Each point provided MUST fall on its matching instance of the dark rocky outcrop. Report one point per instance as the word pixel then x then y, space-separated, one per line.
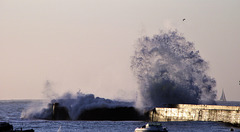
pixel 115 114
pixel 60 112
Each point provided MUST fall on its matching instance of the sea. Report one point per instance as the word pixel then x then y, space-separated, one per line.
pixel 11 110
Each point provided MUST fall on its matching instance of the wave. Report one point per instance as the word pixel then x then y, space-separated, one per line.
pixel 170 71
pixel 72 107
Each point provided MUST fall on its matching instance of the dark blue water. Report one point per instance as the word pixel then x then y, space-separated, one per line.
pixel 10 111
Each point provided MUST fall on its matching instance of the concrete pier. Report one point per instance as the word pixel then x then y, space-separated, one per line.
pixel 188 112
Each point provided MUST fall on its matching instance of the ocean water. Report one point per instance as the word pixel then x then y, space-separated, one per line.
pixel 10 111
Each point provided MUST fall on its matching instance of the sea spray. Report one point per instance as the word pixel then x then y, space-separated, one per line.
pixel 48 91
pixel 72 106
pixel 170 71
pixel 75 104
pixel 40 109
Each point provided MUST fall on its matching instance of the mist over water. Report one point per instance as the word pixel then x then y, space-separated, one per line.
pixel 48 91
pixel 171 71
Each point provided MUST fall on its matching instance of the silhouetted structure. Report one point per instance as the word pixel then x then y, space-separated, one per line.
pixel 115 114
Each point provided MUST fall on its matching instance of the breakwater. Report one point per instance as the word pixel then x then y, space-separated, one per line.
pixel 189 112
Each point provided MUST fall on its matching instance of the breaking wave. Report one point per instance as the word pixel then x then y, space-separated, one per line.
pixel 75 105
pixel 170 71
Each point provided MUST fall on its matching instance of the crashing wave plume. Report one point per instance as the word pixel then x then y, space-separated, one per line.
pixel 170 71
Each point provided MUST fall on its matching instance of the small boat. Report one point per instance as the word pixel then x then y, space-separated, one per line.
pixel 6 127
pixel 152 127
pixel 223 97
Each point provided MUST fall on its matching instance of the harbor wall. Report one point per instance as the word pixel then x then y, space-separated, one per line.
pixel 188 112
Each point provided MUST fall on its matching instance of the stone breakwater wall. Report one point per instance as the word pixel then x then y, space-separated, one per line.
pixel 188 112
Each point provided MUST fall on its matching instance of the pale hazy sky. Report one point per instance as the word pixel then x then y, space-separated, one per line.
pixel 87 44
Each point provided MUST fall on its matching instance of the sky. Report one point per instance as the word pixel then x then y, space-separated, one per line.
pixel 86 45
